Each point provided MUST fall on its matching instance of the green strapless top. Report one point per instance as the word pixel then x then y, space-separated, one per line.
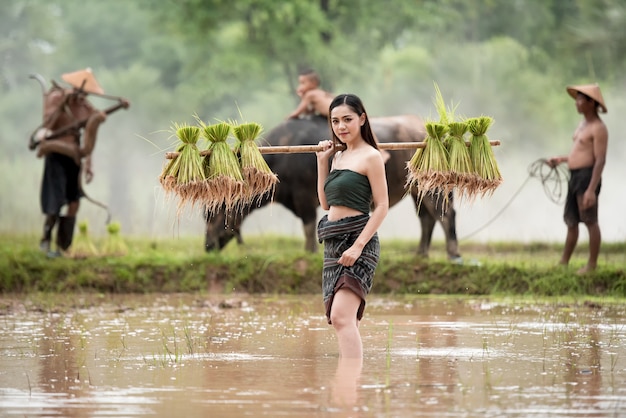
pixel 348 188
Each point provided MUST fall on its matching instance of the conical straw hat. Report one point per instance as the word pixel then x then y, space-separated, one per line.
pixel 591 90
pixel 77 78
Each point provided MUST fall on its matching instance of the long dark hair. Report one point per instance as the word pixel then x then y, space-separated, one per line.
pixel 354 103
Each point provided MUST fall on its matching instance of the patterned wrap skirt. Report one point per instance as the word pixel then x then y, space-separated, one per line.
pixel 337 237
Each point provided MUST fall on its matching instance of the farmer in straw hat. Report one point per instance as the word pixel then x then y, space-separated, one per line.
pixel 64 156
pixel 586 161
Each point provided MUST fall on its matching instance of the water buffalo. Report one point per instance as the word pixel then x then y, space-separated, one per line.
pixel 298 177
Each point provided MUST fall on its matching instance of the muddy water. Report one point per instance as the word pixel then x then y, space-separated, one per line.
pixel 206 356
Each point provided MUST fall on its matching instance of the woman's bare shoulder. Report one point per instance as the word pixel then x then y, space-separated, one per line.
pixel 374 159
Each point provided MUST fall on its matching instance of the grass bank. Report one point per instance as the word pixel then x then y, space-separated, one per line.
pixel 279 265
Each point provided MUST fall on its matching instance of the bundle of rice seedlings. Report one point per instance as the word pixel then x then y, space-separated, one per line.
pixel 184 175
pixel 429 170
pixel 82 247
pixel 224 180
pixel 483 160
pixel 257 175
pixel 462 173
pixel 114 244
pixel 169 174
pixel 413 166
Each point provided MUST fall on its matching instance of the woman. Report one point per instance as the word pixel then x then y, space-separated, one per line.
pixel 355 183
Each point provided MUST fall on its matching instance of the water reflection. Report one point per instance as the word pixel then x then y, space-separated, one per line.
pixel 583 378
pixel 184 355
pixel 344 386
pixel 59 371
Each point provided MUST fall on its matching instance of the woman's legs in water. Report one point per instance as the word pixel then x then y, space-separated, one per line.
pixel 343 317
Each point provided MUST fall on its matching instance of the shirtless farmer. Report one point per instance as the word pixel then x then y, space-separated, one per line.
pixel 585 161
pixel 314 101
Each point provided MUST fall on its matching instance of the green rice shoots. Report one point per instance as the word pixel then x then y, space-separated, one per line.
pixel 184 175
pixel 429 170
pixel 224 180
pixel 462 173
pixel 446 113
pixel 481 154
pixel 258 177
pixel 82 247
pixel 114 245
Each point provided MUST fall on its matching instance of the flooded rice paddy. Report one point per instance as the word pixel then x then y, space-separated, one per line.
pixel 275 356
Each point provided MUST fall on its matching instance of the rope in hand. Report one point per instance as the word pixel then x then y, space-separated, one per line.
pixel 554 181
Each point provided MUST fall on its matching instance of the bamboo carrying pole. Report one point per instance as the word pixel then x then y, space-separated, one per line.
pixel 299 149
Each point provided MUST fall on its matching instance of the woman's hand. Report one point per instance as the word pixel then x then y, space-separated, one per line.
pixel 328 150
pixel 349 256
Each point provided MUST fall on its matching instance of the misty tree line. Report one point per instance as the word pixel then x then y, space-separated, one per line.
pixel 228 45
pixel 231 59
pixel 216 51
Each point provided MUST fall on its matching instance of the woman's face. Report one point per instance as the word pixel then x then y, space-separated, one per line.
pixel 346 123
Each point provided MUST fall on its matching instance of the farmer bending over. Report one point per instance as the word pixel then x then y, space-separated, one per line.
pixel 63 155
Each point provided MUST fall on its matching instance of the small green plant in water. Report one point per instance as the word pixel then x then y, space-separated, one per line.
pixel 389 340
pixel 83 246
pixel 114 244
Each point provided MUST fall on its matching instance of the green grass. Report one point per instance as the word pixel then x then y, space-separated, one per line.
pixel 275 264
